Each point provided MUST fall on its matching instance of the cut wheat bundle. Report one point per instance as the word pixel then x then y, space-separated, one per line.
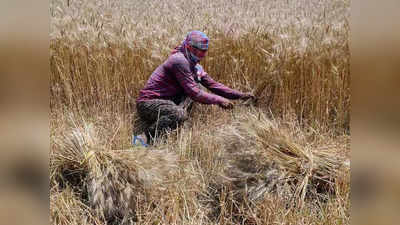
pixel 114 181
pixel 264 155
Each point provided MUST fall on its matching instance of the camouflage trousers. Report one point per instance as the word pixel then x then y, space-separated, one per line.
pixel 156 117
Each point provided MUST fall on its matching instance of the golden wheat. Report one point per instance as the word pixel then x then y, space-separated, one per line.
pixel 293 55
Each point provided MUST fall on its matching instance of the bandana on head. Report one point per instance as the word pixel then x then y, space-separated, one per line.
pixel 196 39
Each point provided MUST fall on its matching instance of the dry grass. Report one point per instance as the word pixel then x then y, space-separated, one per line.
pixel 281 163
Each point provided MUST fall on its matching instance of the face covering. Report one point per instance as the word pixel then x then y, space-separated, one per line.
pixel 193 57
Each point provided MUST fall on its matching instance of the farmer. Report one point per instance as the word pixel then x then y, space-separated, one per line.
pixel 163 104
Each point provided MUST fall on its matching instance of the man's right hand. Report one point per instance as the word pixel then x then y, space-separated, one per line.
pixel 248 95
pixel 226 104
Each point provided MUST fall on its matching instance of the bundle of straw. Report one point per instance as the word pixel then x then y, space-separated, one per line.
pixel 114 181
pixel 118 181
pixel 277 161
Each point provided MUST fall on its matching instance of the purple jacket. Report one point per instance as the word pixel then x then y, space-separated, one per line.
pixel 177 77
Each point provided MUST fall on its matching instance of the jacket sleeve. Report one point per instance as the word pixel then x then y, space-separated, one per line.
pixel 185 77
pixel 218 88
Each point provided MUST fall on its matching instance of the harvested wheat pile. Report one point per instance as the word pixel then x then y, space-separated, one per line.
pixel 119 181
pixel 266 155
pixel 114 182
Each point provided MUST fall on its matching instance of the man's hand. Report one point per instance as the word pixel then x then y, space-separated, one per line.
pixel 226 104
pixel 248 95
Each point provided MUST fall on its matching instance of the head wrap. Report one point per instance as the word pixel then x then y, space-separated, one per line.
pixel 196 39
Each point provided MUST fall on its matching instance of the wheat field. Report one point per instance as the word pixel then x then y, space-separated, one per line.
pixel 284 160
